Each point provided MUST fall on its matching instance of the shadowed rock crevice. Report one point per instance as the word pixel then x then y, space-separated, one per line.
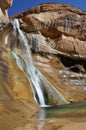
pixel 73 64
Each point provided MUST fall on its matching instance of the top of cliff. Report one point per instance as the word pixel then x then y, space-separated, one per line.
pixel 49 7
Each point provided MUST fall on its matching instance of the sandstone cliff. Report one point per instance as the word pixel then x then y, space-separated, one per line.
pixel 59 30
pixel 63 26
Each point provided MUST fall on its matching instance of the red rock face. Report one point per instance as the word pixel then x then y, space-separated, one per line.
pixel 54 19
pixel 63 24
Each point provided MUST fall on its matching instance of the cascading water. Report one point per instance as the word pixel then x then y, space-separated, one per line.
pixel 40 86
pixel 30 69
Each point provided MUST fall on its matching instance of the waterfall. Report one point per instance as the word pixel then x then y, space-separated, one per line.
pixel 42 90
pixel 30 69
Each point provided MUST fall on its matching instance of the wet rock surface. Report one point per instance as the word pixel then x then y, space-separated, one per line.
pixel 62 78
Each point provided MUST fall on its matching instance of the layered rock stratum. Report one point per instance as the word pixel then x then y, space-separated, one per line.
pixel 62 25
pixel 58 30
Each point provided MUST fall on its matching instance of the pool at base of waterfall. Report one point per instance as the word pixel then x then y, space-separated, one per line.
pixel 72 110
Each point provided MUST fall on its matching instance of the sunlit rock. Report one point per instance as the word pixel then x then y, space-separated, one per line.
pixel 63 24
pixel 40 44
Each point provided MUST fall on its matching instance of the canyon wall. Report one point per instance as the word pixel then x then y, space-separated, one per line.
pixel 63 26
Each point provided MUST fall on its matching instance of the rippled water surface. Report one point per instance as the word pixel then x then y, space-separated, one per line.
pixel 62 111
